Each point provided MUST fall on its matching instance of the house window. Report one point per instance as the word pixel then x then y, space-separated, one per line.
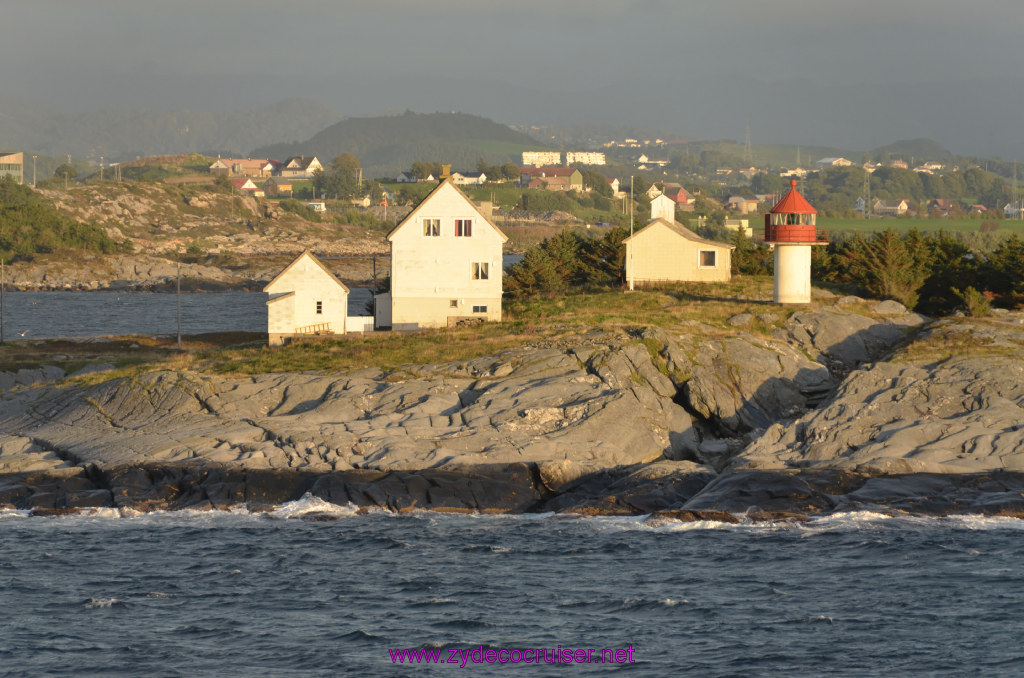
pixel 708 259
pixel 432 228
pixel 454 303
pixel 481 271
pixel 479 309
pixel 319 308
pixel 463 228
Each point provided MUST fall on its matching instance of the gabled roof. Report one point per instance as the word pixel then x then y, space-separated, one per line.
pixel 447 181
pixel 793 203
pixel 302 161
pixel 242 183
pixel 311 257
pixel 681 230
pixel 548 171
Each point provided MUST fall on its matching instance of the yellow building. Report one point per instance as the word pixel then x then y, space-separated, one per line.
pixel 666 251
pixel 12 165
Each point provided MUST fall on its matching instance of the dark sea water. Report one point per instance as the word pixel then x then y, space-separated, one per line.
pixel 237 594
pixel 38 315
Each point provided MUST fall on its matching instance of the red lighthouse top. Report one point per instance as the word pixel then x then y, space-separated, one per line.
pixel 791 220
pixel 793 203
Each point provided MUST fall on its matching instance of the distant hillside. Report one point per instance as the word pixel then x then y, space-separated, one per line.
pixel 919 149
pixel 126 134
pixel 389 144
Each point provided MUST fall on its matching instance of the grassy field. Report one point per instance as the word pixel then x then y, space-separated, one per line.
pixel 526 322
pixel 834 225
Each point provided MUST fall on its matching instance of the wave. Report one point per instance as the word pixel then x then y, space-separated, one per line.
pixel 314 509
pixel 102 603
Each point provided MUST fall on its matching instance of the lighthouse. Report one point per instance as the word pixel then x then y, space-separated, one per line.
pixel 790 229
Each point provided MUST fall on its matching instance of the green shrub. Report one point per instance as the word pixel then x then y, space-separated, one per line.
pixel 29 224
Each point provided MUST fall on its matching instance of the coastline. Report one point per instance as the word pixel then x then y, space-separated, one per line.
pixel 517 490
pixel 680 424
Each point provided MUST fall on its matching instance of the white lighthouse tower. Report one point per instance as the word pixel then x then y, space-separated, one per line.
pixel 790 229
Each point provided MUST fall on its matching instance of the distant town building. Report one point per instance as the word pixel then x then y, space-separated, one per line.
pixel 742 204
pixel 469 178
pixel 244 185
pixel 278 187
pixel 740 225
pixel 679 195
pixel 892 208
pixel 832 162
pixel 300 167
pixel 573 175
pixel 12 164
pixel 541 158
pixel 584 158
pixel 242 167
pixel 944 207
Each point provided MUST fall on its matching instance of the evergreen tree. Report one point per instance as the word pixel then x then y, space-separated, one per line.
pixel 888 266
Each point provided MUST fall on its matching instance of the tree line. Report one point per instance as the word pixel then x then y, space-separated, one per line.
pixel 934 273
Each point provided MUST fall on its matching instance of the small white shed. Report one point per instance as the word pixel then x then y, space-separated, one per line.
pixel 305 299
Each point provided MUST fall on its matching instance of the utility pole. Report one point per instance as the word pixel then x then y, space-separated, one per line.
pixel 179 305
pixel 34 156
pixel 2 281
pixel 101 168
pixel 632 274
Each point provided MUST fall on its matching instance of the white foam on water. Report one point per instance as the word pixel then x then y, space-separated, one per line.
pixel 309 504
pixel 13 514
pixel 101 603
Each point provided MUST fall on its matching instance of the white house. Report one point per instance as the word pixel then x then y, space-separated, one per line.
pixel 300 167
pixel 445 264
pixel 305 299
pixel 469 178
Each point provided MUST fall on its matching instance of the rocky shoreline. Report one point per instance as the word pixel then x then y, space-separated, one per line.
pixel 830 412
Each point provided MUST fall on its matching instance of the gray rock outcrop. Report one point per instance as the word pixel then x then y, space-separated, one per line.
pixel 690 423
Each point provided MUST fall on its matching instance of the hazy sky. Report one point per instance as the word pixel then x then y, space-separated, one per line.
pixel 858 73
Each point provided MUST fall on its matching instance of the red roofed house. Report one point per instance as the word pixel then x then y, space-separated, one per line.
pixel 573 175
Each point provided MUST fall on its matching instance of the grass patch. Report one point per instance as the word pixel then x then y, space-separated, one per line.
pixel 526 322
pixel 905 225
pixel 967 338
pixel 387 351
